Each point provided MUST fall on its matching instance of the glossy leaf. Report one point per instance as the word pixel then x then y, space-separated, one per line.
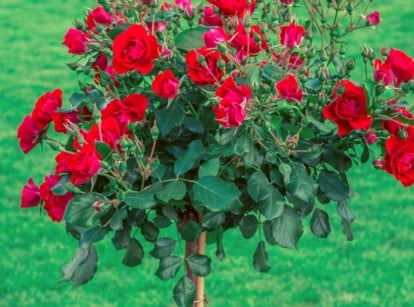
pixel 168 267
pixel 209 168
pixel 184 292
pixel 286 229
pixel 248 226
pixel 139 200
pixel 82 267
pixel 163 247
pixel 134 253
pixel 333 186
pixel 173 190
pixel 189 159
pixel 300 185
pixel 170 118
pixel 319 223
pixel 199 264
pixel 212 220
pixel 191 231
pixel 260 258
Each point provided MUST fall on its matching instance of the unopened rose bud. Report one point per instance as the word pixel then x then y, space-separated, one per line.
pixel 350 64
pixel 373 19
pixel 378 163
pixel 371 138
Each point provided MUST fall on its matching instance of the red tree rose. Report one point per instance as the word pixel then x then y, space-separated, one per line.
pixel 383 72
pixel 348 108
pixel 165 84
pixel 230 113
pixel 30 196
pixel 233 7
pixel 236 93
pixel 399 159
pixel 98 16
pixel 109 132
pixel 288 89
pixel 45 106
pixel 203 66
pixel 402 66
pixel 135 49
pixel 248 44
pixel 76 41
pixel 291 35
pixel 28 134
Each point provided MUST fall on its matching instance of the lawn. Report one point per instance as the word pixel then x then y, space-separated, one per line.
pixel 376 269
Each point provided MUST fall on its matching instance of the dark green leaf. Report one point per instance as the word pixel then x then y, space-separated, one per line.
pixel 319 223
pixel 346 226
pixel 300 185
pixel 76 99
pixel 113 33
pixel 191 38
pixel 184 292
pixel 105 151
pixel 82 267
pixel 258 186
pixel 86 209
pixel 248 226
pixel 168 267
pixel 209 168
pixel 193 124
pixel 271 72
pixel 287 229
pixel 121 238
pixel 332 185
pixel 215 193
pixel 267 230
pixel 118 218
pixel 140 200
pixel 260 258
pixel 93 235
pixel 170 213
pixel 190 158
pixel 220 253
pixel 345 212
pixel 253 75
pixel 160 221
pixel 173 190
pixel 272 206
pixel 191 231
pixel 337 158
pixel 149 231
pixel 212 220
pixel 134 253
pixel 163 247
pixel 170 118
pixel 199 264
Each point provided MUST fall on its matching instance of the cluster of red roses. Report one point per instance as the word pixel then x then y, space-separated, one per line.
pixel 228 46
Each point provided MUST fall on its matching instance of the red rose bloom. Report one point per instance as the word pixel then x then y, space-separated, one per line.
pixel 288 89
pixel 399 159
pixel 236 93
pixel 84 164
pixel 291 35
pixel 348 108
pixel 210 18
pixel 76 41
pixel 62 120
pixel 383 72
pixel 230 113
pixel 28 134
pixel 208 72
pixel 45 106
pixel 109 132
pixel 245 43
pixel 135 49
pixel 233 7
pixel 54 205
pixel 395 126
pixel 402 66
pixel 30 196
pixel 165 84
pixel 98 16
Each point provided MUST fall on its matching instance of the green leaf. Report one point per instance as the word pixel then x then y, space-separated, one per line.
pixel 140 200
pixel 286 229
pixel 319 223
pixel 260 258
pixel 184 292
pixel 212 220
pixel 118 218
pixel 271 72
pixel 170 118
pixel 199 264
pixel 168 267
pixel 253 75
pixel 191 38
pixel 337 158
pixel 191 231
pixel 258 186
pixel 300 185
pixel 85 210
pixel 163 247
pixel 174 190
pixel 105 151
pixel 248 226
pixel 93 235
pixel 121 239
pixel 190 158
pixel 215 193
pixel 117 30
pixel 149 231
pixel 76 99
pixel 332 185
pixel 82 267
pixel 209 168
pixel 344 211
pixel 134 253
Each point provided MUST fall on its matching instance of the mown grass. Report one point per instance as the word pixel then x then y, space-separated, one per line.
pixel 376 269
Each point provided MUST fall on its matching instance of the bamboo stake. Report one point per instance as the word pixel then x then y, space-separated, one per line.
pixel 201 249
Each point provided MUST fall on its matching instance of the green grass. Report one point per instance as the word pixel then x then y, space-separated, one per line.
pixel 376 269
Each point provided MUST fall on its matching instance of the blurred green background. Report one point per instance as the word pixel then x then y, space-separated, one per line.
pixel 376 269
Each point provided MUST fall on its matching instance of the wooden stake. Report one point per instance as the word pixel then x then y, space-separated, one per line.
pixel 200 298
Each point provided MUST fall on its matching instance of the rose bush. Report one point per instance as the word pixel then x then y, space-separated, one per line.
pixel 228 114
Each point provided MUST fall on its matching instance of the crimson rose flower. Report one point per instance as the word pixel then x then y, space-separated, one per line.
pixel 233 7
pixel 45 106
pixel 30 195
pixel 135 49
pixel 373 19
pixel 288 89
pixel 230 113
pixel 98 16
pixel 383 72
pixel 210 18
pixel 28 134
pixel 291 35
pixel 245 44
pixel 399 159
pixel 76 41
pixel 402 66
pixel 348 108
pixel 203 66
pixel 236 93
pixel 165 84
pixel 54 205
pixel 395 126
pixel 62 120
pixel 109 132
